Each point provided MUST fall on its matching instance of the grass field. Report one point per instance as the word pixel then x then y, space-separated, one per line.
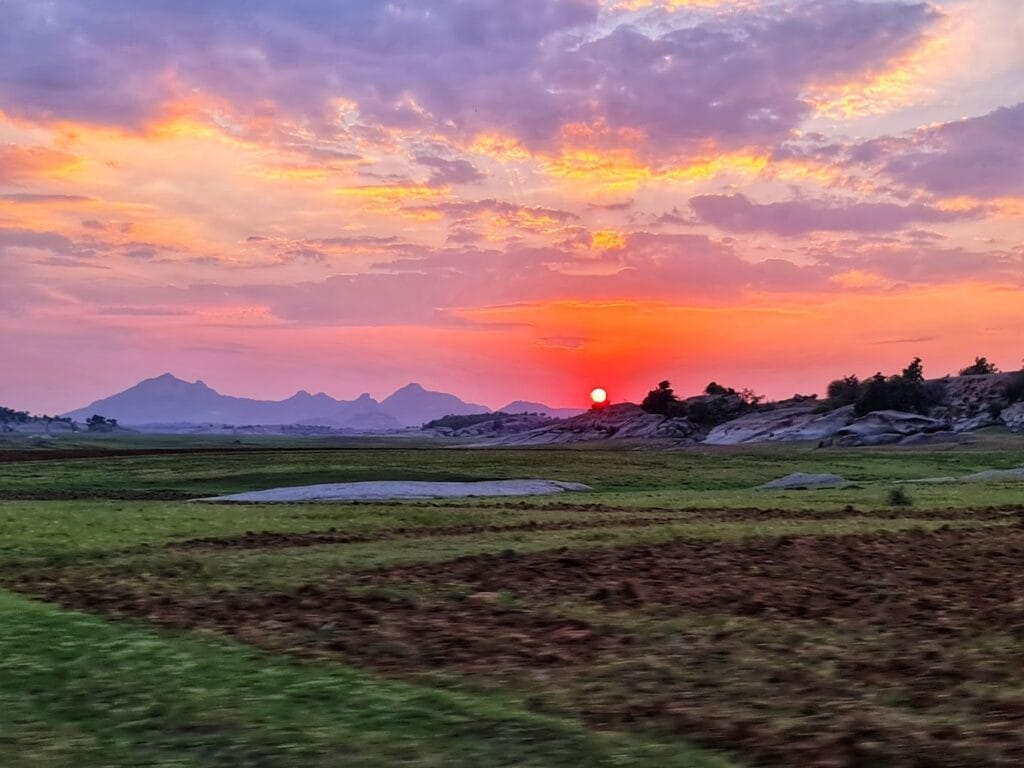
pixel 672 617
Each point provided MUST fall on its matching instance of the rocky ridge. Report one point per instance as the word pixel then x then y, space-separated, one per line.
pixel 967 403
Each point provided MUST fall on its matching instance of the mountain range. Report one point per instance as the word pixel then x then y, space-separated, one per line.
pixel 167 399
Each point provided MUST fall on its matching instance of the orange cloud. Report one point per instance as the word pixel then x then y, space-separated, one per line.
pixel 498 147
pixel 20 163
pixel 621 170
pixel 901 84
pixel 606 239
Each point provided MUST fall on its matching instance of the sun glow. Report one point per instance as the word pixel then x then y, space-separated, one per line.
pixel 598 396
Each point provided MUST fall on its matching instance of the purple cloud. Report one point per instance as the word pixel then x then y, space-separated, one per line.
pixel 527 68
pixel 449 172
pixel 913 262
pixel 980 157
pixel 737 213
pixel 465 211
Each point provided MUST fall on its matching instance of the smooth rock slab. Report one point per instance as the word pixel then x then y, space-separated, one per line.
pixel 402 489
pixel 987 476
pixel 804 480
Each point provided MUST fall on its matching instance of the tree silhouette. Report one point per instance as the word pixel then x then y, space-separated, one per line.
pixel 660 400
pixel 980 367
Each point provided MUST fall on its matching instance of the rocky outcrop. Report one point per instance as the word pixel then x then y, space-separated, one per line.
pixel 887 428
pixel 965 396
pixel 966 404
pixel 502 425
pixel 792 424
pixel 973 423
pixel 1013 417
pixel 620 422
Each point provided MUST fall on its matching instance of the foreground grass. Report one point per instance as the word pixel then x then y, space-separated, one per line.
pixel 77 690
pixel 85 691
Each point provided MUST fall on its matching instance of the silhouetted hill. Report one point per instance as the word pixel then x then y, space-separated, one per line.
pixel 167 399
pixel 413 405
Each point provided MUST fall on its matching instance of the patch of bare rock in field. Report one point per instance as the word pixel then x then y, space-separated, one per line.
pixel 386 490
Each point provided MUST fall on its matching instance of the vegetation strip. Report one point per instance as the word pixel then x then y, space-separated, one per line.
pixel 76 690
pixel 283 540
pixel 876 599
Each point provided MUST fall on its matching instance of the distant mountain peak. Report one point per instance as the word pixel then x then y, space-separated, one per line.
pixel 167 378
pixel 167 399
pixel 413 405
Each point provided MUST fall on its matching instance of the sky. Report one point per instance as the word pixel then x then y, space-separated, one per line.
pixel 503 199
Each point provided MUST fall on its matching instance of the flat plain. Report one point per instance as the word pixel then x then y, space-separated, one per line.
pixel 674 616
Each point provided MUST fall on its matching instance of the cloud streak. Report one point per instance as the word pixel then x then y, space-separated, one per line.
pixel 794 218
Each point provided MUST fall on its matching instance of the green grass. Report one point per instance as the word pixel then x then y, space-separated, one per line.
pixel 86 691
pixel 77 690
pixel 704 469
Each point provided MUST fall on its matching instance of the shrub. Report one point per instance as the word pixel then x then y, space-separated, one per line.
pixel 980 367
pixel 660 400
pixel 9 415
pixel 905 391
pixel 97 423
pixel 714 388
pixel 935 392
pixel 898 497
pixel 748 396
pixel 845 391
pixel 1015 388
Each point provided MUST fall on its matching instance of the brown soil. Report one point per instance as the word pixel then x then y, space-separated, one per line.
pixel 884 649
pixel 952 579
pixel 50 454
pixel 282 540
pixel 276 540
pixel 385 632
pixel 93 494
pixel 899 649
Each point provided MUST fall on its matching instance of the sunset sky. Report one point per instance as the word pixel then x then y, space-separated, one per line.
pixel 505 199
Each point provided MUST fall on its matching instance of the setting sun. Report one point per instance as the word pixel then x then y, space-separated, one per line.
pixel 599 396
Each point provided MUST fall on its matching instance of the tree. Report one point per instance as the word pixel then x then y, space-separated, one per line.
pixel 844 391
pixel 660 400
pixel 980 367
pixel 714 388
pixel 9 415
pixel 750 397
pixel 97 423
pixel 1015 388
pixel 905 391
pixel 914 372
